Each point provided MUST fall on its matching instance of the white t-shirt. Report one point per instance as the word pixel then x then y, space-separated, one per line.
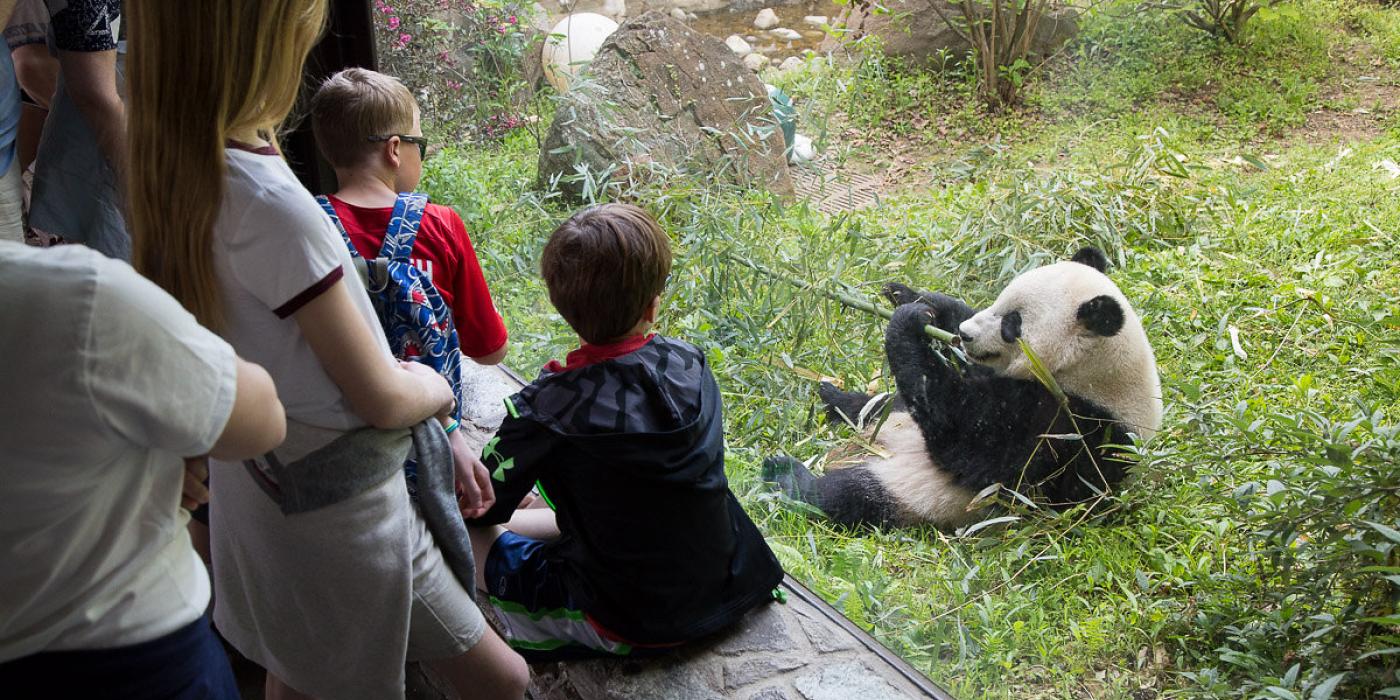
pixel 274 251
pixel 107 382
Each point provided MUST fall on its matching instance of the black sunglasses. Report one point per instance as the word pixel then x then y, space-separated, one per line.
pixel 418 141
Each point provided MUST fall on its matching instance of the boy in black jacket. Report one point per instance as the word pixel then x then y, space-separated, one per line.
pixel 626 443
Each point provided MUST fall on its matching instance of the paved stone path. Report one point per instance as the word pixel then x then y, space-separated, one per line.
pixel 800 650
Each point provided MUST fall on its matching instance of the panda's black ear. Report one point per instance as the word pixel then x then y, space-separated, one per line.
pixel 1093 257
pixel 1101 315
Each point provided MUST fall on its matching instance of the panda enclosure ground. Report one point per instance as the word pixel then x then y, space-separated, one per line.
pixel 1250 198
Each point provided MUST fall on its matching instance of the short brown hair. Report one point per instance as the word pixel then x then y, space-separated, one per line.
pixel 603 267
pixel 353 105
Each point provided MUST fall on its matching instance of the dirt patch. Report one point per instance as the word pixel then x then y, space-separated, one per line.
pixel 1357 104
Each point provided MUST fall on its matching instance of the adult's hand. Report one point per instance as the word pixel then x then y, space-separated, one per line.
pixel 195 493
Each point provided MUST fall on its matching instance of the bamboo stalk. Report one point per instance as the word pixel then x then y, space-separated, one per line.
pixel 855 303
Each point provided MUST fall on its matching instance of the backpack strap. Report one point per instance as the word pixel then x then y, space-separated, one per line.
pixel 325 203
pixel 403 226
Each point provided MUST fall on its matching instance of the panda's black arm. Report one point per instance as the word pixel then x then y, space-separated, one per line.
pixel 948 312
pixel 922 376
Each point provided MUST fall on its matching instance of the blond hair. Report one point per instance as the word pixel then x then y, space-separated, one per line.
pixel 354 105
pixel 197 71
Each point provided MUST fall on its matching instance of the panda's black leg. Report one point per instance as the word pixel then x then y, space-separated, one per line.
pixel 850 497
pixel 792 477
pixel 842 406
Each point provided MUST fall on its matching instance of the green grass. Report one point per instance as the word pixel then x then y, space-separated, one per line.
pixel 1231 564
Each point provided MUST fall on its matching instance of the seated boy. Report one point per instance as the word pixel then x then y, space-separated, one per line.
pixel 626 441
pixel 367 127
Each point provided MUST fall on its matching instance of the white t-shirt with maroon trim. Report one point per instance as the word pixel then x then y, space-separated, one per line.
pixel 274 251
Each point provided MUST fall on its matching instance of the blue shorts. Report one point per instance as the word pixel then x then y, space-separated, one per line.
pixel 537 613
pixel 187 664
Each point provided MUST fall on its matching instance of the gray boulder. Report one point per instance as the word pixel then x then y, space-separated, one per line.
pixel 912 29
pixel 660 99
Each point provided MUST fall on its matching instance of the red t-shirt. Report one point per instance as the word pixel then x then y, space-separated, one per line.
pixel 445 253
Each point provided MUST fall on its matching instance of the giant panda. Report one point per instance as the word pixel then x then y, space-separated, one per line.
pixel 955 428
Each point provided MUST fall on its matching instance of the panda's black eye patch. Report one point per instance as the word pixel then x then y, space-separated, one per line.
pixel 1011 327
pixel 1101 315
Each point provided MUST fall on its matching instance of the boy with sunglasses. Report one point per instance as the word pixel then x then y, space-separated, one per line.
pixel 367 127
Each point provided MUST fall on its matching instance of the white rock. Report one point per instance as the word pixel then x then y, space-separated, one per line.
pixel 756 62
pixel 572 43
pixel 678 14
pixel 766 19
pixel 815 20
pixel 802 150
pixel 691 16
pixel 790 63
pixel 738 45
pixel 786 34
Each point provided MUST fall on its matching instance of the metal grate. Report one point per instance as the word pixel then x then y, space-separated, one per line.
pixel 833 193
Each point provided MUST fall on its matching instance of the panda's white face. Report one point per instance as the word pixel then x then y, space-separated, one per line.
pixel 1081 326
pixel 1046 307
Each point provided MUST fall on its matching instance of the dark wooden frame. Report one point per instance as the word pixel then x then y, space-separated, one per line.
pixel 347 42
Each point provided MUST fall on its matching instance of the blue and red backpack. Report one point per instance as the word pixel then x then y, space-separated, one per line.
pixel 416 321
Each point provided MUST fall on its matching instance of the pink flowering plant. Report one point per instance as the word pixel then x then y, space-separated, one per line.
pixel 461 58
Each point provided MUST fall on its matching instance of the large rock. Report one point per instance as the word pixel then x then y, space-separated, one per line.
pixel 660 98
pixel 913 29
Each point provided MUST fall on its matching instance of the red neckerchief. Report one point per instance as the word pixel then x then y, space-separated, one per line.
pixel 588 354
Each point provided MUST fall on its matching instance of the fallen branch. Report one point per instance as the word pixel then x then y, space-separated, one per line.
pixel 853 302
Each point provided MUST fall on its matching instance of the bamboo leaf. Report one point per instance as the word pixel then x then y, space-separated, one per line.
pixel 976 527
pixel 1042 373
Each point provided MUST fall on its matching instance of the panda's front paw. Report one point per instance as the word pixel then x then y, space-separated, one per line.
pixel 899 294
pixel 910 319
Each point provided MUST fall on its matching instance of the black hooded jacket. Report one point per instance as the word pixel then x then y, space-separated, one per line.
pixel 630 453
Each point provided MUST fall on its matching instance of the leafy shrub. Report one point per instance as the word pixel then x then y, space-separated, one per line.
pixel 462 59
pixel 1000 33
pixel 1225 19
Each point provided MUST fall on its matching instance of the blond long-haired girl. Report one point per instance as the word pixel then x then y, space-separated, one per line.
pixel 333 600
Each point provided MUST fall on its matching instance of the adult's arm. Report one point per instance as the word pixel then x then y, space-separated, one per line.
pixel 257 422
pixel 85 36
pixel 382 392
pixel 90 79
pixel 495 357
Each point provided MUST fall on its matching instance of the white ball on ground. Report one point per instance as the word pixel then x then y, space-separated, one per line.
pixel 738 45
pixel 766 19
pixel 802 150
pixel 572 43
